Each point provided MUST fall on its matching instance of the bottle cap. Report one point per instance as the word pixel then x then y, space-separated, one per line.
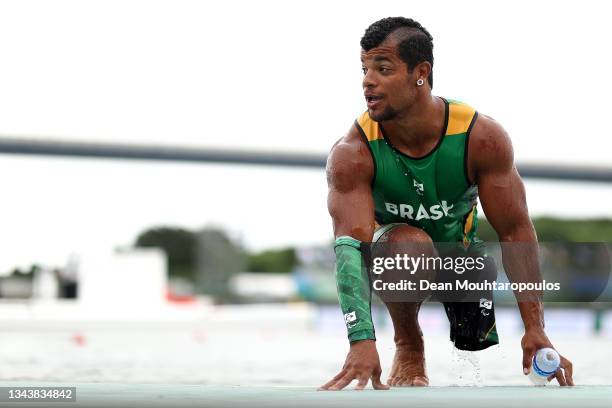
pixel 546 362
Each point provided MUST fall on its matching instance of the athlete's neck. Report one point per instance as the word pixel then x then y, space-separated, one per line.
pixel 419 128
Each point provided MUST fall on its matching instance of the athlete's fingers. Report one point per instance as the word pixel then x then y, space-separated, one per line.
pixel 332 381
pixel 569 370
pixel 343 382
pixel 528 353
pixel 568 376
pixel 376 383
pixel 560 378
pixel 363 381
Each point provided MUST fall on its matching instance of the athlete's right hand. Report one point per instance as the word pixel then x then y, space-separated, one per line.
pixel 362 364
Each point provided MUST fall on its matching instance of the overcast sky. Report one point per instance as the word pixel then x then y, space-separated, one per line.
pixel 266 75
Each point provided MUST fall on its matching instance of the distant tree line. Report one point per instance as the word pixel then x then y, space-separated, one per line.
pixel 560 230
pixel 180 246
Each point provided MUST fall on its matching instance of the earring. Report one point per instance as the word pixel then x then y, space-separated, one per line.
pixel 420 82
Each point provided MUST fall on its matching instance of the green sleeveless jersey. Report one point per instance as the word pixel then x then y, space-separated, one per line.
pixel 431 192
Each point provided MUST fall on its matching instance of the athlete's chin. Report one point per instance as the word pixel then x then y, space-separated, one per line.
pixel 380 115
pixel 376 114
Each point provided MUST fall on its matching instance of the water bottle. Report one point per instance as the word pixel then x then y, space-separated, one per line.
pixel 545 363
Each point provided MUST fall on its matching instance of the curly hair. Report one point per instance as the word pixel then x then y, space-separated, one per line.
pixel 415 46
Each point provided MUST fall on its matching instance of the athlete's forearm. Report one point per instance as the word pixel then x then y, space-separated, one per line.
pixel 532 314
pixel 520 259
pixel 354 292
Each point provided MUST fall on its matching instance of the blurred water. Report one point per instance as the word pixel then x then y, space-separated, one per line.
pixel 249 353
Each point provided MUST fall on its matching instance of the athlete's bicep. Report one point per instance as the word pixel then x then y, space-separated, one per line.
pixel 350 203
pixel 503 200
pixel 501 190
pixel 352 213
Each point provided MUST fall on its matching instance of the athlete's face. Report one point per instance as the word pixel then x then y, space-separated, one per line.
pixel 388 87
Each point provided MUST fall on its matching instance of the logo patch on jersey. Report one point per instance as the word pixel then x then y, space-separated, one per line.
pixel 485 306
pixel 418 187
pixel 435 212
pixel 486 303
pixel 350 319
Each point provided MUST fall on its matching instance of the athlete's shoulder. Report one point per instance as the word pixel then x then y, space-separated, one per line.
pixel 490 146
pixel 349 160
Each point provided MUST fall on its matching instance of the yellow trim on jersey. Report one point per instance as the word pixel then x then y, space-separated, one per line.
pixel 459 118
pixel 469 223
pixel 369 127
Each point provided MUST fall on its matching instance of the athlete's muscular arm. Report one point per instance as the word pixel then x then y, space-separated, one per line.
pixel 349 172
pixel 502 195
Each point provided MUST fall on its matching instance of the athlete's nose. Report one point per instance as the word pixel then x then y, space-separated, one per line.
pixel 368 80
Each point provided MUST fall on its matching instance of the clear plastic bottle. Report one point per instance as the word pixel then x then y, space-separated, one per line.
pixel 545 363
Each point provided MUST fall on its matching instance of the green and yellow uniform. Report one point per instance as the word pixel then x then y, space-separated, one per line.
pixel 434 193
pixel 431 192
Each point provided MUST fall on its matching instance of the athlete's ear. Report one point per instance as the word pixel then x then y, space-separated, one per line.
pixel 422 71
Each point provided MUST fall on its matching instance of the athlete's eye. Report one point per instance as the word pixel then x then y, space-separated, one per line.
pixel 384 70
pixel 364 70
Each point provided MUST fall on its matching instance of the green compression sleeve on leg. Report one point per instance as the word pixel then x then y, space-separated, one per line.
pixel 354 293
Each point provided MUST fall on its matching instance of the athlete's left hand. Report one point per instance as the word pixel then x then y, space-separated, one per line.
pixel 535 339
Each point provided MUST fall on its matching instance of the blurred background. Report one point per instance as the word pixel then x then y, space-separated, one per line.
pixel 122 270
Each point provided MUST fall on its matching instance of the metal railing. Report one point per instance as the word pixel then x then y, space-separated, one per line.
pixel 24 146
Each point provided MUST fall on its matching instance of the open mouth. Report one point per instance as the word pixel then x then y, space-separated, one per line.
pixel 373 100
